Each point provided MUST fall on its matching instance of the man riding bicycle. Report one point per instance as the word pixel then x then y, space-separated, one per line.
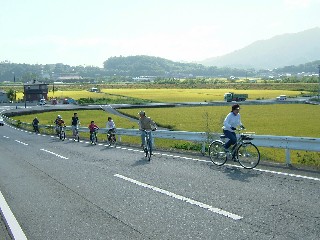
pixel 35 124
pixel 230 123
pixel 146 123
pixel 75 124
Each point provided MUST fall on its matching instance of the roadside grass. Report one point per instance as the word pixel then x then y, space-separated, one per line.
pixel 298 120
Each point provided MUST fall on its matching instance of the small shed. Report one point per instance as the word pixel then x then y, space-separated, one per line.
pixel 34 91
pixel 3 96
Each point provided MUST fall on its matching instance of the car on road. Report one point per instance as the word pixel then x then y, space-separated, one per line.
pixel 42 101
pixel 1 121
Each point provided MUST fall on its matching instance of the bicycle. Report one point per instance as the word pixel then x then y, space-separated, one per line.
pixel 93 136
pixel 147 148
pixel 36 128
pixel 62 133
pixel 111 137
pixel 244 151
pixel 76 133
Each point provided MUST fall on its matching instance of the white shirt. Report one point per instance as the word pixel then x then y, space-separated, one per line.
pixel 110 125
pixel 231 120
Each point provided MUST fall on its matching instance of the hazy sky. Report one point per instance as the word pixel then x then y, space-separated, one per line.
pixel 78 32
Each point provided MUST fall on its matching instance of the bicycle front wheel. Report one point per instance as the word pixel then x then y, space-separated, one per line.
pixel 217 153
pixel 248 155
pixel 148 152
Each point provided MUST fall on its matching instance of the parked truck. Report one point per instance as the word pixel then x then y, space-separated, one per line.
pixel 230 96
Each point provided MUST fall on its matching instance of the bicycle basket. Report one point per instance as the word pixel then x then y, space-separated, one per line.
pixel 247 136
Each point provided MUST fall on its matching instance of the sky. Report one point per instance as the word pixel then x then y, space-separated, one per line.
pixel 87 33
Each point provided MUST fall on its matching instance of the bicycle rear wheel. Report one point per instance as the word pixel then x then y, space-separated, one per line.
pixel 148 151
pixel 248 155
pixel 93 139
pixel 217 153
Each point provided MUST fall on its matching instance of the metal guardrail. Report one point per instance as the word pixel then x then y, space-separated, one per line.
pixel 284 142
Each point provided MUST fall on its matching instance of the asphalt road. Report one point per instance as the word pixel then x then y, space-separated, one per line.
pixel 70 190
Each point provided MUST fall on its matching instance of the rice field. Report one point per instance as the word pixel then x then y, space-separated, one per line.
pixel 196 95
pixel 168 95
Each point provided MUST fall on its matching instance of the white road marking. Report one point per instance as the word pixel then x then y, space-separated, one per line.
pixel 5 137
pixel 54 154
pixel 26 144
pixel 11 220
pixel 182 198
pixel 287 174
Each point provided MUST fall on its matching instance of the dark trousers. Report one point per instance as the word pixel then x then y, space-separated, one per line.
pixel 232 136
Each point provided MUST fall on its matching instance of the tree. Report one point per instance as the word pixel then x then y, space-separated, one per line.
pixel 11 95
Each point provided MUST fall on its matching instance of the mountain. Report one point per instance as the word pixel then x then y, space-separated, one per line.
pixel 279 51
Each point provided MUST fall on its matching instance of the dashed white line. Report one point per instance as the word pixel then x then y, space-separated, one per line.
pixel 182 198
pixel 54 154
pixel 26 144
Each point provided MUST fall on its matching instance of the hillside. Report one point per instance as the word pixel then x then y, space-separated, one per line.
pixel 279 51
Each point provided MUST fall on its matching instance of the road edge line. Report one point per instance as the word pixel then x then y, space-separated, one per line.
pixel 11 222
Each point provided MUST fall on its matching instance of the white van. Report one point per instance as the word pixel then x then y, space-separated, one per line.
pixel 282 98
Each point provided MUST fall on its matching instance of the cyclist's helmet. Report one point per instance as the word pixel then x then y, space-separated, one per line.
pixel 142 113
pixel 59 117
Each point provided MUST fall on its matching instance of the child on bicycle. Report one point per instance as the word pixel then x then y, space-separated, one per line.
pixel 230 124
pixel 59 124
pixel 92 127
pixel 111 126
pixel 146 123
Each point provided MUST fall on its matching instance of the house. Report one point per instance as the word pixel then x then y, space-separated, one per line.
pixel 34 91
pixel 3 97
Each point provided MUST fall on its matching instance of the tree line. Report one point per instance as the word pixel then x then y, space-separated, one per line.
pixel 135 66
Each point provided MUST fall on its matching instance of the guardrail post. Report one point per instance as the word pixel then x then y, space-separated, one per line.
pixel 203 150
pixel 288 161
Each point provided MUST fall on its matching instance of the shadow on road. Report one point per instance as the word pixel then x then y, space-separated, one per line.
pixel 141 162
pixel 239 174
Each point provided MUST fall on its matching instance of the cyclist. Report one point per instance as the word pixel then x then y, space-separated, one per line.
pixel 146 123
pixel 230 123
pixel 111 126
pixel 92 127
pixel 75 124
pixel 35 124
pixel 59 124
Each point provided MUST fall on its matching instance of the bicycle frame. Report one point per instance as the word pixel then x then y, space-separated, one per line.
pixel 147 143
pixel 93 136
pixel 62 134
